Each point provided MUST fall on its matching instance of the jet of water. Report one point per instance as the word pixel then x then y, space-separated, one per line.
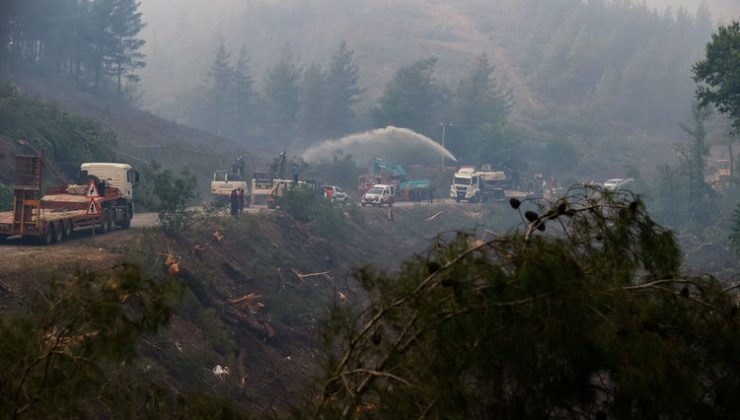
pixel 392 143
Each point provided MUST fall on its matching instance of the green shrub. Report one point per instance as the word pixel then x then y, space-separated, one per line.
pixel 308 206
pixel 67 139
pixel 58 357
pixel 168 193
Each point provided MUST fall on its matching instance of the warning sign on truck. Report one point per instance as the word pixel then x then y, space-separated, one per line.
pixel 92 190
pixel 92 208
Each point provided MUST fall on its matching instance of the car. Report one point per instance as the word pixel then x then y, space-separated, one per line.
pixel 335 194
pixel 616 183
pixel 379 195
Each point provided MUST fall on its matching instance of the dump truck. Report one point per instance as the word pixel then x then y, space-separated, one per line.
pixel 66 208
pixel 473 185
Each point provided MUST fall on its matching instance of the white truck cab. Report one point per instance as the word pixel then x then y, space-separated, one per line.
pixel 378 195
pixel 473 185
pixel 117 175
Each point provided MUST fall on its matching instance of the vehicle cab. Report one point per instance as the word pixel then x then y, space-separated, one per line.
pixel 118 175
pixel 465 185
pixel 379 195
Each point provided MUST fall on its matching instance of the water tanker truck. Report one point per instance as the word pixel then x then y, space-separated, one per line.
pixel 473 185
pixel 103 201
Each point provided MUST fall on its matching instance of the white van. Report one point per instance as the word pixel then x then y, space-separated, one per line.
pixel 378 195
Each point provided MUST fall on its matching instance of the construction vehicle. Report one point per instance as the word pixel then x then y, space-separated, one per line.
pixel 261 188
pixel 389 173
pixel 474 185
pixel 225 181
pixel 64 209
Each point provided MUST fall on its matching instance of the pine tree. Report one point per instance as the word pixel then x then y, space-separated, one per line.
pixel 343 91
pixel 718 77
pixel 698 201
pixel 313 97
pixel 242 97
pixel 115 44
pixel 478 101
pixel 411 99
pixel 282 98
pixel 221 74
pixel 125 57
pixel 592 320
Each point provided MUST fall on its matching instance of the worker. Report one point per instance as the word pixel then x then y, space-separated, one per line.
pixel 431 195
pixel 294 169
pixel 234 199
pixel 240 198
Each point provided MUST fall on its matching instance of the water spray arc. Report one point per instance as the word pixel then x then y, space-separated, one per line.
pixel 372 143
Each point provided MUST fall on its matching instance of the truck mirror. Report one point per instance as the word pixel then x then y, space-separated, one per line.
pixel 136 178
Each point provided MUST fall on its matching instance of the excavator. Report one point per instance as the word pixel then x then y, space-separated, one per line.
pixel 225 181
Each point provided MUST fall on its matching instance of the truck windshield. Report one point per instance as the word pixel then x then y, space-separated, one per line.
pixel 462 181
pixel 375 190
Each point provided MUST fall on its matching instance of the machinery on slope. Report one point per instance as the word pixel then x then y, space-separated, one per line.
pixel 54 216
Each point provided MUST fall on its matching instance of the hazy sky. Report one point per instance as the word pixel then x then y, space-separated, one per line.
pixel 181 39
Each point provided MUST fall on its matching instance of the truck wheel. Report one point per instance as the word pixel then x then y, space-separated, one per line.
pixel 67 227
pixel 58 232
pixel 125 223
pixel 103 226
pixel 109 222
pixel 48 237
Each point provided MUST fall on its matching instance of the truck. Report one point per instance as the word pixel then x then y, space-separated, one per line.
pixel 225 181
pixel 389 173
pixel 66 208
pixel 474 185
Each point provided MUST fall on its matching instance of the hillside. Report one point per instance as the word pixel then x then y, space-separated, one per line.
pixel 122 133
pixel 271 342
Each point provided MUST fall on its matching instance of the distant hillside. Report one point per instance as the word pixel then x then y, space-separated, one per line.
pixel 140 137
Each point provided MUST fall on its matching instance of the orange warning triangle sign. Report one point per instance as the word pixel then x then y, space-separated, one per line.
pixel 92 190
pixel 93 209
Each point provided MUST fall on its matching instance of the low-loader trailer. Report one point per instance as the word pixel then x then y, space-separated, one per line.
pixel 54 216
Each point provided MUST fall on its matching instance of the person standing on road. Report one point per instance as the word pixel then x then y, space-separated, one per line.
pixel 234 199
pixel 431 195
pixel 294 170
pixel 240 198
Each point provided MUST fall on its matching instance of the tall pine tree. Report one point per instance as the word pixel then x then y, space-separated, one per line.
pixel 410 99
pixel 342 91
pixel 220 81
pixel 313 96
pixel 282 98
pixel 125 56
pixel 242 96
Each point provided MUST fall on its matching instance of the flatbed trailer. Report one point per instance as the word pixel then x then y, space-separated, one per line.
pixel 53 217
